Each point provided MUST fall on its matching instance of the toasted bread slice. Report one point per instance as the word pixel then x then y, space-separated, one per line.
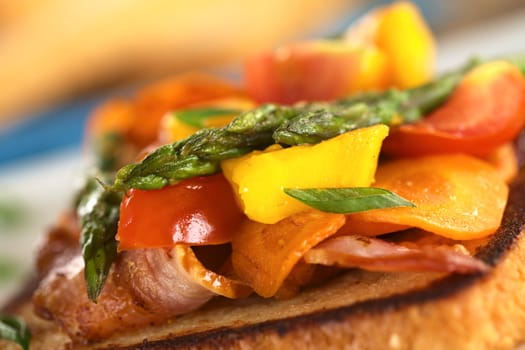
pixel 358 310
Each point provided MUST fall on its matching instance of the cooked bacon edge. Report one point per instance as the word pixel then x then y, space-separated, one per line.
pixel 375 254
pixel 226 285
pixel 159 281
pixel 62 297
pixel 143 287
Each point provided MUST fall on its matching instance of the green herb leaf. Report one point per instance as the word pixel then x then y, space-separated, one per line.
pixel 196 117
pixel 348 200
pixel 14 329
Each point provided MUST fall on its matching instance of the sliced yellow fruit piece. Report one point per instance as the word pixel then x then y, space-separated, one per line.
pixel 258 178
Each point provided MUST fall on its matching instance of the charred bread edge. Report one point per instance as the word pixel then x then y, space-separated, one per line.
pixel 491 253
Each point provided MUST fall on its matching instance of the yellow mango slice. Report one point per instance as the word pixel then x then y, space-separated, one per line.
pixel 400 31
pixel 409 44
pixel 258 178
pixel 373 72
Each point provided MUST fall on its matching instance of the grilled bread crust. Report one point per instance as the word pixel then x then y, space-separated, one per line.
pixel 358 310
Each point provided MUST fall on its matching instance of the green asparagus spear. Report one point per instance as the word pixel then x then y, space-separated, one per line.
pixel 318 122
pixel 98 212
pixel 324 120
pixel 201 153
pixel 303 123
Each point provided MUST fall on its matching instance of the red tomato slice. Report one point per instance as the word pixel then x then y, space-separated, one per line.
pixel 486 110
pixel 196 211
pixel 313 71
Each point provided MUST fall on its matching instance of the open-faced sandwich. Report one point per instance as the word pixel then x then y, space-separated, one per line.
pixel 345 198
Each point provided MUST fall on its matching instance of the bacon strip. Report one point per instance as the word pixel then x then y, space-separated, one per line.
pixel 144 286
pixel 174 280
pixel 375 254
pixel 62 297
pixel 159 282
pixel 224 285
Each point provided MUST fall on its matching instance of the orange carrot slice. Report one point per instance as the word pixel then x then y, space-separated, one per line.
pixel 264 255
pixel 456 196
pixel 139 118
pixel 181 91
pixel 369 228
pixel 114 116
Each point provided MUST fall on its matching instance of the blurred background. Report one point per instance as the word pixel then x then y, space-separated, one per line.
pixel 60 58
